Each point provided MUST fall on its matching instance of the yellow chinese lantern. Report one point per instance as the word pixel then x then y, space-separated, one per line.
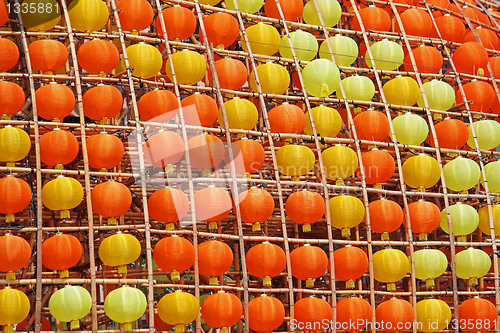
pixel 461 174
pixel 340 163
pixel 62 194
pixel 321 77
pixel 492 171
pixel 295 160
pixel 402 90
pixel 14 308
pixel 274 79
pixel 472 264
pixel 245 6
pixel 69 304
pixel 189 66
pixel 410 129
pixel 345 50
pixel 387 55
pixel 304 45
pixel 487 133
pixel 433 315
pixel 145 59
pixel 327 121
pixel 484 220
pixel 429 264
pixel 421 171
pixel 119 250
pixel 358 88
pixel 390 266
pixel 240 113
pixel 178 308
pixel 464 220
pixel 125 305
pixel 15 144
pixel 346 212
pixel 41 20
pixel 440 95
pixel 88 15
pixel 330 10
pixel 263 39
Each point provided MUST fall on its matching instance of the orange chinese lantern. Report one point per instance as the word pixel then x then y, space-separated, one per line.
pixel 160 325
pixel 134 14
pixel 54 101
pixel 477 315
pixel 232 74
pixel 481 94
pixel 371 125
pixel 427 58
pixel 451 134
pixel 248 156
pixel 102 102
pixel 305 207
pixel 265 313
pixel 488 38
pixel 105 151
pixel 425 217
pixel 164 149
pixel 265 261
pixel 15 196
pixel 386 216
pixel 11 98
pixel 222 29
pixel 378 165
pixel 353 310
pixel 212 204
pixel 373 18
pixel 475 14
pixel 495 65
pixel 416 22
pixel 15 253
pixel 58 148
pixel 350 264
pixel 256 206
pixel 10 54
pixel 180 22
pixel 98 56
pixel 47 55
pixel 158 105
pixel 168 205
pixel 286 118
pixel 450 27
pixel 313 314
pixel 199 110
pixel 174 255
pixel 470 57
pixel 61 252
pixel 222 310
pixel 214 258
pixel 308 263
pixel 111 199
pixel 292 9
pixel 396 314
pixel 206 151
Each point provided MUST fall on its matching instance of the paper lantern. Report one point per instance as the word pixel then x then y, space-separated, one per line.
pixel 88 15
pixel 54 101
pixel 14 307
pixel 291 9
pixel 9 55
pixel 475 14
pixel 304 45
pixel 47 55
pixel 212 204
pixel 421 171
pixel 433 315
pixel 387 55
pixel 119 250
pixel 286 118
pixel 308 263
pixel 62 194
pixel 274 79
pixel 396 314
pixel 346 212
pixel 295 160
pixel 450 28
pixel 265 261
pixel 492 171
pixel 410 129
pixel 429 265
pixel 402 90
pixel 461 174
pixel 487 133
pixel 327 121
pixel 265 313
pixel 180 22
pixel 206 151
pixel 178 308
pixel 102 102
pixel 214 258
pixel 256 206
pixel 41 20
pixel 416 22
pixel 373 18
pixel 248 156
pixel 479 312
pixel 494 62
pixel 147 61
pixel 61 252
pixel 158 106
pixel 174 255
pixel 98 56
pixel 357 88
pixel 340 163
pixel 464 221
pixel 472 264
pixel 245 6
pixel 451 134
pixel 321 77
pixel 470 57
pixel 386 216
pixel 160 325
pixel 231 308
pixel 351 263
pixel 263 39
pixel 199 110
pixel 331 13
pixel 164 149
pixel 135 15
pixel 16 254
pixel 390 266
pixel 312 314
pixel 305 208
pixel 480 93
pixel 425 217
pixel 240 113
pixel 15 196
pixel 353 310
pixel 46 325
pixel 168 205
pixel 371 125
pixel 104 151
pixel 189 67
pixel 222 29
pixel 345 50
pixel 15 144
pixel 11 97
pixel 427 58
pixel 58 148
pixel 231 73
pixel 69 304
pixel 440 95
pixel 125 305
pixel 378 166
pixel 111 199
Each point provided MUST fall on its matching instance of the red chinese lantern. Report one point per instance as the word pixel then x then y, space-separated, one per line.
pixel 427 58
pixel 378 165
pixel 15 196
pixel 206 151
pixel 287 118
pixel 15 253
pixel 159 106
pixel 232 74
pixel 174 255
pixel 371 125
pixel 386 216
pixel 248 156
pixel 214 258
pixel 105 151
pixel 102 102
pixel 313 314
pixel 350 264
pixel 425 217
pixel 396 314
pixel 135 14
pixel 451 134
pixel 416 22
pixel 61 252
pixel 256 206
pixel 265 313
pixel 164 149
pixel 180 22
pixel 480 92
pixel 222 310
pixel 222 29
pixel 98 56
pixel 58 148
pixel 450 28
pixel 168 205
pixel 353 310
pixel 46 325
pixel 9 54
pixel 305 207
pixel 212 204
pixel 265 261
pixel 308 263
pixel 488 38
pixel 199 110
pixel 47 55
pixel 373 18
pixel 54 101
pixel 292 9
pixel 470 57
pixel 111 199
pixel 11 98
pixel 477 315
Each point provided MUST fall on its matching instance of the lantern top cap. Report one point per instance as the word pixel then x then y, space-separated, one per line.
pixel 266 242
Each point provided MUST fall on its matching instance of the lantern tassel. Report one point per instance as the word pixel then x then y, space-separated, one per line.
pixel 267 281
pixel 5 117
pixel 391 286
pixel 11 164
pixel 59 167
pixel 224 330
pixel 324 90
pixel 429 283
pixel 256 226
pixel 11 275
pixel 63 326
pixel 296 179
pixel 461 239
pixel 310 283
pixel 438 116
pixel 212 225
pixel 206 172
pixel 422 237
pixel 64 274
pixel 127 327
pixel 213 281
pixel 306 227
pixel 104 120
pixel 175 275
pixel 103 170
pixel 122 269
pixel 339 182
pixel 56 120
pixel 472 282
pixel 9 218
pixel 248 175
pixel 346 232
pixel 385 236
pixel 8 328
pixel 65 214
pixel 74 325
pixel 169 168
pixel 350 284
pixel 378 186
pixel 170 226
pixel 112 221
pixel 179 328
